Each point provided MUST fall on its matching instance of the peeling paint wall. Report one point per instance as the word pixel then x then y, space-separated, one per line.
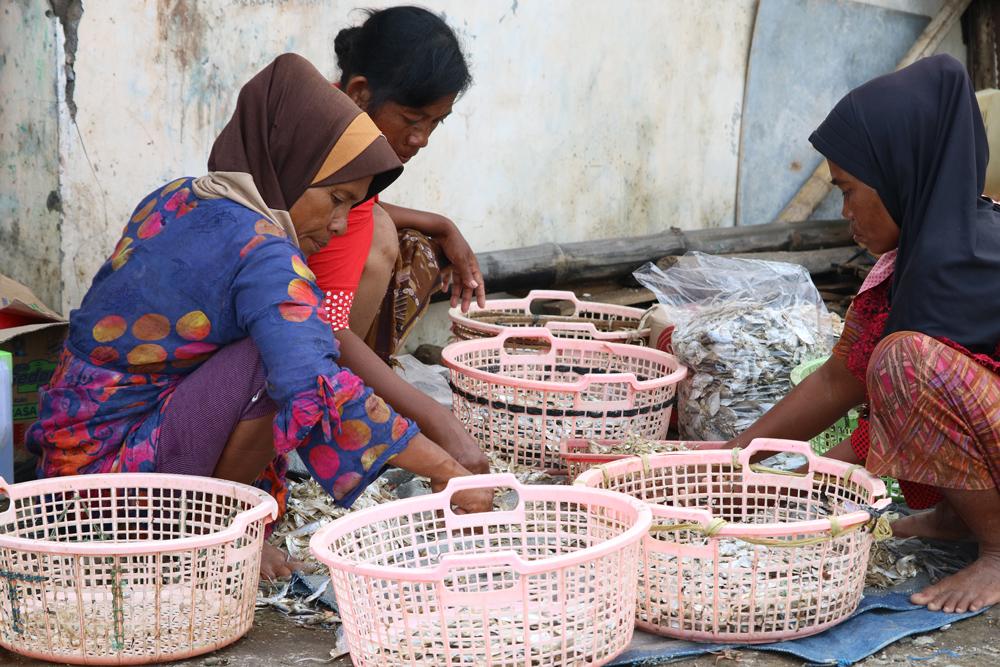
pixel 30 204
pixel 588 119
pixel 585 121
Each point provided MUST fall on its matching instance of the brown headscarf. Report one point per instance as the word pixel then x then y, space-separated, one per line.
pixel 292 130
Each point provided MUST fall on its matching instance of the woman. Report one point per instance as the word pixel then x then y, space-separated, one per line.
pixel 920 344
pixel 404 66
pixel 199 348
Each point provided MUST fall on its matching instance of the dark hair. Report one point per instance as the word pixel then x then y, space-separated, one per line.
pixel 409 56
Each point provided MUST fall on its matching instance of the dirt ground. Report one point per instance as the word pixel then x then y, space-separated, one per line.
pixel 276 641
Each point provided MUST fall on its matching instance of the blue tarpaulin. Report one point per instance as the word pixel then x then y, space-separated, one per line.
pixel 882 618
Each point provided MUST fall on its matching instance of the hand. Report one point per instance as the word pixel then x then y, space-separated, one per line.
pixel 466 501
pixel 462 447
pixel 472 501
pixel 463 276
pixel 275 564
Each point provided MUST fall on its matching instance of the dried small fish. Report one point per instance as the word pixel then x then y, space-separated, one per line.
pixel 635 445
pixel 895 561
pixel 740 355
pixel 740 326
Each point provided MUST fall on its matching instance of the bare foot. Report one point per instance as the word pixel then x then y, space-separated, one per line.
pixel 275 564
pixel 970 589
pixel 940 523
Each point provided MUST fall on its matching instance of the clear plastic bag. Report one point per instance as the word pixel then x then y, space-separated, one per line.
pixel 432 380
pixel 741 326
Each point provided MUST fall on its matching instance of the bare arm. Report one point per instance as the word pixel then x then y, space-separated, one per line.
pixel 425 222
pixel 434 420
pixel 424 458
pixel 843 452
pixel 814 405
pixel 468 283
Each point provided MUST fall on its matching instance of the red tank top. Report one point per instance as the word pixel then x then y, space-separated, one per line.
pixel 339 264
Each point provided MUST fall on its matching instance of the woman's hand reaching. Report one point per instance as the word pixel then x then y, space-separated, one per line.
pixel 463 276
pixel 471 501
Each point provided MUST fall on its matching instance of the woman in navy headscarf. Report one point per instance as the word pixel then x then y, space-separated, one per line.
pixel 920 345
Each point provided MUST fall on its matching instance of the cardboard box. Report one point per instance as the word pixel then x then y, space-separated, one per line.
pixel 35 348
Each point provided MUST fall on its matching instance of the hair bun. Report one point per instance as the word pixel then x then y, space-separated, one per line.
pixel 344 46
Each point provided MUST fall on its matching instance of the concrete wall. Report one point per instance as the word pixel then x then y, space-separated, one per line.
pixel 588 119
pixel 29 149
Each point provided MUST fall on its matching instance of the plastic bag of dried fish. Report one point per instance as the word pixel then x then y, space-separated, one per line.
pixel 741 326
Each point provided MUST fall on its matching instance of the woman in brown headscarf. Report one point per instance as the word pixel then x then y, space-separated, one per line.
pixel 199 348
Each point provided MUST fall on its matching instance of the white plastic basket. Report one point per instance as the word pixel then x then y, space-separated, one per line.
pixel 590 320
pixel 521 401
pixel 551 582
pixel 742 553
pixel 128 568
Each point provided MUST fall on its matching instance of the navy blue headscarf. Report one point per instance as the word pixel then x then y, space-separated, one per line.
pixel 917 137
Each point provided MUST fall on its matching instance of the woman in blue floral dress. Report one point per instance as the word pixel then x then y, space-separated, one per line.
pixel 199 348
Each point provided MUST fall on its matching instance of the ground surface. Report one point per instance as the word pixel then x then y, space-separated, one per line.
pixel 275 641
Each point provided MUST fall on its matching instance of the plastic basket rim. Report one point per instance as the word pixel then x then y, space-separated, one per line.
pixel 320 542
pixel 619 335
pixel 595 476
pixel 236 529
pixel 460 318
pixel 453 349
pixel 570 450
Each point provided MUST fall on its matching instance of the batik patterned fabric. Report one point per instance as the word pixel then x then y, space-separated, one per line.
pixel 415 279
pixel 188 277
pixel 864 329
pixel 935 414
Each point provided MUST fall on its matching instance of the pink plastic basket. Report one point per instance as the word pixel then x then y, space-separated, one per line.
pixel 522 401
pixel 578 458
pixel 551 582
pixel 590 320
pixel 741 553
pixel 128 568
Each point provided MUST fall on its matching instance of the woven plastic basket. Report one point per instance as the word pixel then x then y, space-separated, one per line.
pixel 522 401
pixel 578 458
pixel 590 320
pixel 128 568
pixel 834 435
pixel 551 582
pixel 739 553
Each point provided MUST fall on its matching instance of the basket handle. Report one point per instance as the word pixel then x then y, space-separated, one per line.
pixel 758 445
pixel 243 519
pixel 540 333
pixel 239 555
pixel 551 295
pixel 504 480
pixel 791 479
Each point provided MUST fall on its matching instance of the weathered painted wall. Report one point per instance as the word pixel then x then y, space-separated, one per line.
pixel 29 149
pixel 588 118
